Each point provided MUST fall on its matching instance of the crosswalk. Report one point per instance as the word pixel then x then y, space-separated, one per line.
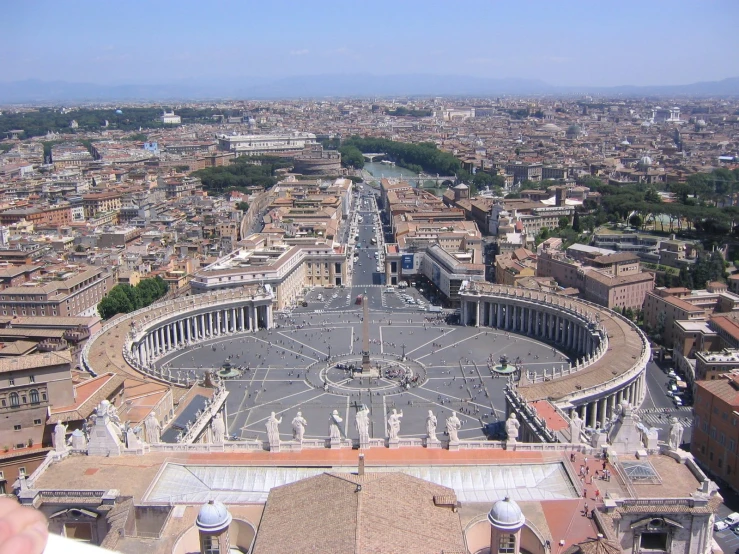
pixel 652 417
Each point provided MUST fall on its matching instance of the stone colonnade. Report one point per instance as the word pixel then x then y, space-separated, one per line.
pixel 568 330
pixel 595 412
pixel 553 324
pixel 205 323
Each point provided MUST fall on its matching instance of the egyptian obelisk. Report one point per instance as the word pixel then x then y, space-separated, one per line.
pixel 366 365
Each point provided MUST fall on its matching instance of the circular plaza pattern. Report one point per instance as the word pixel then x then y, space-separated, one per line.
pixel 287 369
pixel 574 354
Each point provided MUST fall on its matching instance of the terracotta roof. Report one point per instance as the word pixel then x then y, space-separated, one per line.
pixel 373 513
pixel 88 394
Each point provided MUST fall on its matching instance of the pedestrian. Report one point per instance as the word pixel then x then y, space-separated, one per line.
pixel 597 494
pixel 585 510
pixel 585 495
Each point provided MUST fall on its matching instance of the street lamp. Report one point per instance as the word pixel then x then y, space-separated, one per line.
pixel 329 352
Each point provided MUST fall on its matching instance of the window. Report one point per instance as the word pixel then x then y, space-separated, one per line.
pixel 34 398
pixel 507 544
pixel 16 427
pixel 37 422
pixel 654 541
pixel 32 379
pixel 210 545
pixel 731 445
pixel 11 381
pixel 14 402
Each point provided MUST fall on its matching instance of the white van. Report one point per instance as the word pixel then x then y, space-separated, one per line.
pixel 732 519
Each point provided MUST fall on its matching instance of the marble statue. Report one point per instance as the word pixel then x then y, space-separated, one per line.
pixel 299 425
pixel 511 427
pixel 132 439
pixel 152 429
pixel 362 423
pixel 273 431
pixel 393 424
pixel 453 425
pixel 676 433
pixel 334 422
pixel 60 437
pixel 79 441
pixel 431 426
pixel 218 428
pixel 576 424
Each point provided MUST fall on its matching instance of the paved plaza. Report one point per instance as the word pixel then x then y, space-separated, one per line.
pixel 284 370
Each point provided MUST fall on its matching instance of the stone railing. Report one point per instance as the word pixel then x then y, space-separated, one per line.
pixel 205 418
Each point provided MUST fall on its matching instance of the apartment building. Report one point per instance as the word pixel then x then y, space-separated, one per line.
pixel 513 266
pixel 715 434
pixel 664 306
pixel 29 386
pixel 60 291
pixel 47 216
pixel 101 202
pixel 614 281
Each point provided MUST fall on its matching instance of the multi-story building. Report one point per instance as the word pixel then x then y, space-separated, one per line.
pixel 101 202
pixel 178 186
pixel 709 365
pixel 29 386
pixel 524 171
pixel 51 216
pixel 663 306
pixel 287 267
pixel 513 266
pixel 63 291
pixel 715 435
pixel 615 281
pixel 255 145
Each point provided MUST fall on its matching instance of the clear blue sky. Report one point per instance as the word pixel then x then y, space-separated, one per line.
pixel 561 42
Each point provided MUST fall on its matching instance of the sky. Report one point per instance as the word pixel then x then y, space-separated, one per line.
pixel 561 42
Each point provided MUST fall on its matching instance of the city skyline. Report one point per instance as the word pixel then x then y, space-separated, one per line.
pixel 568 44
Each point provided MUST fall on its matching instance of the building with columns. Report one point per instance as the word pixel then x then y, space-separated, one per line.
pixel 153 332
pixel 611 353
pixel 287 267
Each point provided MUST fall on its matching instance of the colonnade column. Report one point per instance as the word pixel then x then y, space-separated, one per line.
pixel 477 313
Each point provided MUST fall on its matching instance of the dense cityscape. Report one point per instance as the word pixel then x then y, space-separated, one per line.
pixel 379 278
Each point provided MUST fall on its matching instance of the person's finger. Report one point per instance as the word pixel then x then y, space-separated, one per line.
pixel 32 540
pixel 8 505
pixel 17 520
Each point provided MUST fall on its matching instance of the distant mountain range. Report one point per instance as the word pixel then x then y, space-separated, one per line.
pixel 333 85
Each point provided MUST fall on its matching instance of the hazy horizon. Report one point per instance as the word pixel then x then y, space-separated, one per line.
pixel 564 43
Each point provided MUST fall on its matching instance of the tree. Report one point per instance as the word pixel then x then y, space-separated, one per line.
pixel 635 221
pixel 544 233
pixel 564 222
pixel 243 206
pixel 576 222
pixel 351 156
pixel 652 196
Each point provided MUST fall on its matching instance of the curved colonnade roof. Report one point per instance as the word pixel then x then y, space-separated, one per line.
pixel 625 346
pixel 106 348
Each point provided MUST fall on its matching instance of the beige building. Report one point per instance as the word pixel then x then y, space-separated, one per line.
pixel 287 266
pixel 64 291
pixel 664 306
pixel 615 281
pixel 29 386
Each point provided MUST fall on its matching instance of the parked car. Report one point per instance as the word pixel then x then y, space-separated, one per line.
pixel 672 374
pixel 720 526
